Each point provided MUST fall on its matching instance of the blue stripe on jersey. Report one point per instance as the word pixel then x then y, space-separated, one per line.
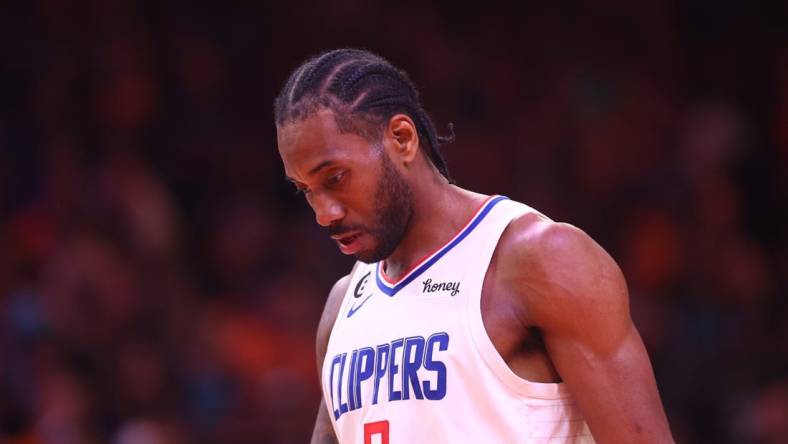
pixel 391 291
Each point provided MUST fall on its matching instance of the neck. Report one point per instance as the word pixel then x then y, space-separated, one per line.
pixel 440 210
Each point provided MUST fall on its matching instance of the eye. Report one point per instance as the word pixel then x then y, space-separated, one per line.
pixel 335 179
pixel 302 190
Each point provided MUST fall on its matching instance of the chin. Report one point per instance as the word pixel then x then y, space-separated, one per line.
pixel 380 248
pixel 368 257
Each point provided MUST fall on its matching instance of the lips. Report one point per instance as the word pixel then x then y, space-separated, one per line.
pixel 348 242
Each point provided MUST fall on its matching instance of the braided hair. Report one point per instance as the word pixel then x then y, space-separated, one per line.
pixel 364 91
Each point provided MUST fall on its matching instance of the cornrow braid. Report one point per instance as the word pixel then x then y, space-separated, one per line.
pixel 364 91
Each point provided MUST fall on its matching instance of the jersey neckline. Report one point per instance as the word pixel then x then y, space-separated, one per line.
pixel 390 287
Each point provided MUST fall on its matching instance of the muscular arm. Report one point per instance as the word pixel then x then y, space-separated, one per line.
pixel 323 432
pixel 573 291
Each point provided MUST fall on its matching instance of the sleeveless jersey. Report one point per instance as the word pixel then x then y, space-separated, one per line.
pixel 410 361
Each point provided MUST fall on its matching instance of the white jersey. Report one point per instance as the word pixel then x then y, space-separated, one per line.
pixel 410 361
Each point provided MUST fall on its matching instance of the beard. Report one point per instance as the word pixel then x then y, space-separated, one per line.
pixel 393 212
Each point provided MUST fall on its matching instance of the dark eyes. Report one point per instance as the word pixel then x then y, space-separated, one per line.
pixel 330 182
pixel 335 179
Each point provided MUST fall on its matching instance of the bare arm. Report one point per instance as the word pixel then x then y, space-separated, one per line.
pixel 323 432
pixel 576 294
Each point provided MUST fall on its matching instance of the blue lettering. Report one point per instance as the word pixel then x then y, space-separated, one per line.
pixel 411 362
pixel 394 395
pixel 334 363
pixel 351 399
pixel 401 361
pixel 430 363
pixel 382 359
pixel 342 405
pixel 365 367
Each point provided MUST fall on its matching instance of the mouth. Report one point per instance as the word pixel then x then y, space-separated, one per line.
pixel 349 242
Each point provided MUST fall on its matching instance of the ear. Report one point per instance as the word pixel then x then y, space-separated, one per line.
pixel 403 139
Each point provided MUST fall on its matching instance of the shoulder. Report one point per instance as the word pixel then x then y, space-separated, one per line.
pixel 329 316
pixel 558 272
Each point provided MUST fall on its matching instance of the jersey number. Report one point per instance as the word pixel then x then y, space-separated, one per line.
pixel 379 428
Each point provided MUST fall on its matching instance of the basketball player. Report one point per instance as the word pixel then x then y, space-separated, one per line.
pixel 467 318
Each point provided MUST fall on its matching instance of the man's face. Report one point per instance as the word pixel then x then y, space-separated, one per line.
pixel 351 184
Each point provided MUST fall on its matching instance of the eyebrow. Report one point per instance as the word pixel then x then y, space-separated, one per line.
pixel 315 170
pixel 320 166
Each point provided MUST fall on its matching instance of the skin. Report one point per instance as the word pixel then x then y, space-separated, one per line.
pixel 554 303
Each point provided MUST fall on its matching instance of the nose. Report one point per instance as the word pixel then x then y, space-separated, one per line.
pixel 327 210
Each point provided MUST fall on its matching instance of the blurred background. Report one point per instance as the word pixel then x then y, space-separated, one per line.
pixel 161 283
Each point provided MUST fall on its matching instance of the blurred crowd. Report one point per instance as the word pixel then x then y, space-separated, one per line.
pixel 160 283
